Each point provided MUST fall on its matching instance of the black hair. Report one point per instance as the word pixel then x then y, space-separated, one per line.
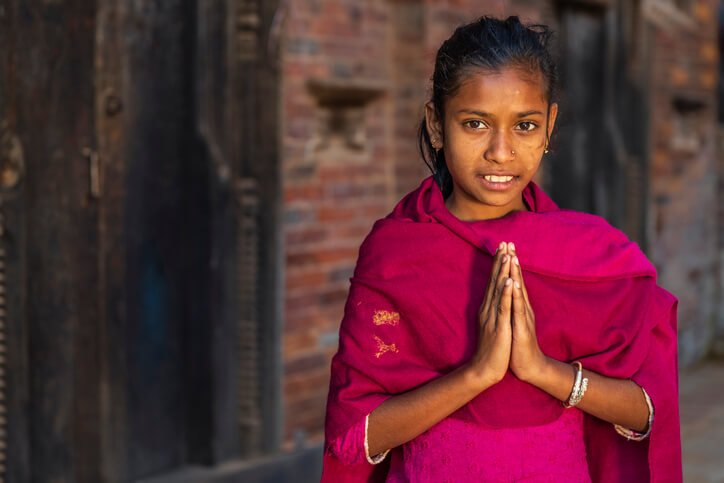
pixel 491 44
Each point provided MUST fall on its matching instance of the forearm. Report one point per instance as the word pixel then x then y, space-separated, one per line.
pixel 618 401
pixel 402 418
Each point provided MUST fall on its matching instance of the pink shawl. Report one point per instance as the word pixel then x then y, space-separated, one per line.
pixel 411 317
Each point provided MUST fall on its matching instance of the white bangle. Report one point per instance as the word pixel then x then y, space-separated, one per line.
pixel 634 435
pixel 579 387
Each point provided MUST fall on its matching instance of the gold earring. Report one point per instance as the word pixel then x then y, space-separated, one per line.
pixel 545 150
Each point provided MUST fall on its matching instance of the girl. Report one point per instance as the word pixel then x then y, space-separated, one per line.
pixel 489 335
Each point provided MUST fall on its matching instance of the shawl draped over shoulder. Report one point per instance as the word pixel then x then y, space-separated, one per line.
pixel 411 317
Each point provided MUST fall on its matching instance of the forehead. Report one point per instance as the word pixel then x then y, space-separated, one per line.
pixel 509 88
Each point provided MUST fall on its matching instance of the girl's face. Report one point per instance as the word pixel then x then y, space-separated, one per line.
pixel 493 135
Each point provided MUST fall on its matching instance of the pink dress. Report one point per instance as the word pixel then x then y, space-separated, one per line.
pixel 460 451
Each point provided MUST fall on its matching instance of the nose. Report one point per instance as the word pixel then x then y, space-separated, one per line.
pixel 501 149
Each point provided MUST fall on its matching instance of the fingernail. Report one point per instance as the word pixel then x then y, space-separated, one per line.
pixel 515 260
pixel 505 259
pixel 517 285
pixel 511 245
pixel 501 246
pixel 508 282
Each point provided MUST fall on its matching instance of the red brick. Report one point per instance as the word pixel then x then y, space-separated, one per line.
pixel 304 363
pixel 299 341
pixel 306 279
pixel 337 213
pixel 307 234
pixel 306 385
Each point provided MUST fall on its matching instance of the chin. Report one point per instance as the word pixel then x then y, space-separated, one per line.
pixel 498 199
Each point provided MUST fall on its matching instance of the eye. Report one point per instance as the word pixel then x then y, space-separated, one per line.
pixel 527 126
pixel 475 124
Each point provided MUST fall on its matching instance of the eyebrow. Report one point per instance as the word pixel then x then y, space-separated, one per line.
pixel 487 114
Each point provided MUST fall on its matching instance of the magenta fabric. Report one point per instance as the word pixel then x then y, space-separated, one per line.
pixel 455 451
pixel 411 316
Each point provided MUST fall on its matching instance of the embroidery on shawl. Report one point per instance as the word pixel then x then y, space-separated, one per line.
pixel 385 317
pixel 383 348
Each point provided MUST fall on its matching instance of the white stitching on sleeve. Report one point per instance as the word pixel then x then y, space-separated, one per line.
pixel 376 459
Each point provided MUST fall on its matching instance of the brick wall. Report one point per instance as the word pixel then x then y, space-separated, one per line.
pixel 333 193
pixel 336 184
pixel 683 196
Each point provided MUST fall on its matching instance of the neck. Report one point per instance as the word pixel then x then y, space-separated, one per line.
pixel 469 210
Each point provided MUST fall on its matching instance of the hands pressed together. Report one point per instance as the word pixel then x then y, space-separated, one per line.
pixel 507 340
pixel 507 324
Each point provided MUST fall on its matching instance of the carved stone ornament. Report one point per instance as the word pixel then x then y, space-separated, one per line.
pixel 688 126
pixel 666 15
pixel 341 115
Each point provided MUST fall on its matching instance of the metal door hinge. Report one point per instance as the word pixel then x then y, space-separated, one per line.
pixel 94 168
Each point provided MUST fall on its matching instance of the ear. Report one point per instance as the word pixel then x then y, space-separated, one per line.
pixel 434 126
pixel 552 115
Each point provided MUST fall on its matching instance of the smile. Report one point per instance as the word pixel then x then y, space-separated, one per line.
pixel 498 179
pixel 495 182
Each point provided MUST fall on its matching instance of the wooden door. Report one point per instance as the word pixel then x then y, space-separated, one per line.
pixel 50 285
pixel 139 260
pixel 600 162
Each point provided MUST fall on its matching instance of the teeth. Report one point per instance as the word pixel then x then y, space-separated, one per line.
pixel 498 179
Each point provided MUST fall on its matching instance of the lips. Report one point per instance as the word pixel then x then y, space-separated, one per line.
pixel 497 182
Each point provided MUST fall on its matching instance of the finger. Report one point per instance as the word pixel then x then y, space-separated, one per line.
pixel 504 305
pixel 518 275
pixel 525 302
pixel 524 292
pixel 503 274
pixel 495 270
pixel 520 312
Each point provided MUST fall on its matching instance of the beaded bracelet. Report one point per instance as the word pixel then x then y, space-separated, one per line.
pixel 579 387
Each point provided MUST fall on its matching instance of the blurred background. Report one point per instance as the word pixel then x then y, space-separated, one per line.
pixel 184 185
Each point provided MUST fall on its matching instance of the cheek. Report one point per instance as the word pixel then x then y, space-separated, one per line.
pixel 531 167
pixel 464 149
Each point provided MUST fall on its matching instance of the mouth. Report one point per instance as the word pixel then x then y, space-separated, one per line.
pixel 498 182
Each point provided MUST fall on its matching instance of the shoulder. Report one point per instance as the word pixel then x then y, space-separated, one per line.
pixel 395 246
pixel 584 246
pixel 580 224
pixel 379 252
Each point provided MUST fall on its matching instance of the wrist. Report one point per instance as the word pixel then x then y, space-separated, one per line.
pixel 479 379
pixel 537 373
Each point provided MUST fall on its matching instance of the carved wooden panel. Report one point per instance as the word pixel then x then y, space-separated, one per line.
pixel 247 30
pixel 250 343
